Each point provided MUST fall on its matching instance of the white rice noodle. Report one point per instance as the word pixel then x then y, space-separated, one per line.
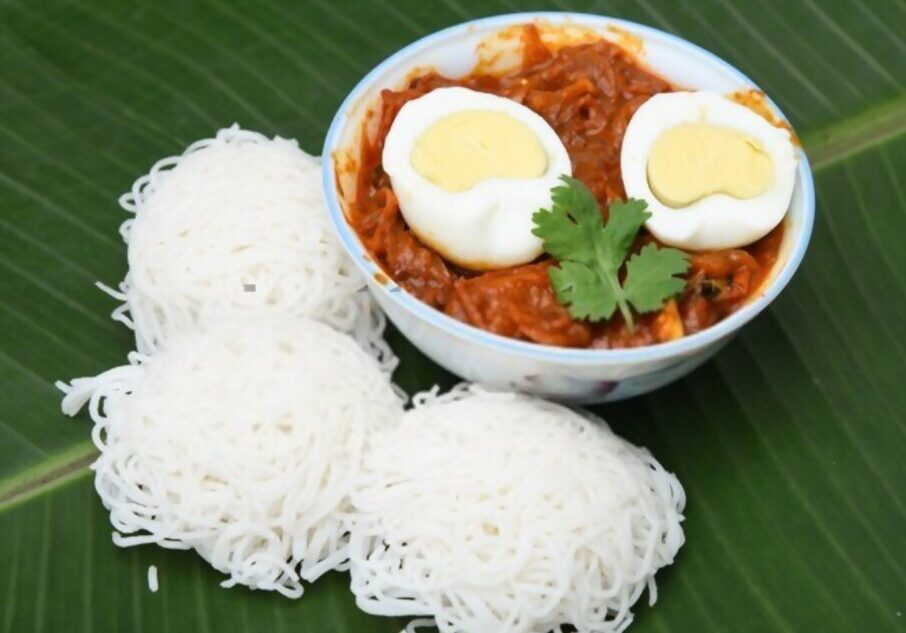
pixel 242 440
pixel 504 513
pixel 419 623
pixel 237 225
pixel 152 579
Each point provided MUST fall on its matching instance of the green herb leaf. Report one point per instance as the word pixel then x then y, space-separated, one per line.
pixel 591 255
pixel 650 277
pixel 577 286
pixel 570 227
pixel 626 218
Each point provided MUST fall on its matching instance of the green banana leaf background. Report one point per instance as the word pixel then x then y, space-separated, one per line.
pixel 791 443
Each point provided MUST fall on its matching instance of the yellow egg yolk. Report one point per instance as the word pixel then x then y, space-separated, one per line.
pixel 461 149
pixel 694 160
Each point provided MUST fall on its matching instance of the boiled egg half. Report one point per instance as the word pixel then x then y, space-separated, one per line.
pixel 714 173
pixel 469 170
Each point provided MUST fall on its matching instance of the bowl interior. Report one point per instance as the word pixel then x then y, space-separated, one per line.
pixel 494 44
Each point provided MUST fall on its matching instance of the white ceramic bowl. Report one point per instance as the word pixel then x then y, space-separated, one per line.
pixel 577 375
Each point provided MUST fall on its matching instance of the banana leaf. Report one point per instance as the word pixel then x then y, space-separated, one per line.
pixel 791 443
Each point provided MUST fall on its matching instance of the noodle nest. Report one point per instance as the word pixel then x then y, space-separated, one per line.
pixel 243 442
pixel 505 513
pixel 237 225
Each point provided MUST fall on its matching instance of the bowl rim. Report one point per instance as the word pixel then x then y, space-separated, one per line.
pixel 576 356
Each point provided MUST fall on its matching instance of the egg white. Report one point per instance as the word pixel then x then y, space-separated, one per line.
pixel 490 225
pixel 718 220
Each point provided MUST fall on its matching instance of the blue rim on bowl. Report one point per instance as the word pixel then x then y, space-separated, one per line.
pixel 467 332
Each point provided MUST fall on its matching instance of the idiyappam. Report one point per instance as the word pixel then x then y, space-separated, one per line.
pixel 242 440
pixel 237 225
pixel 505 513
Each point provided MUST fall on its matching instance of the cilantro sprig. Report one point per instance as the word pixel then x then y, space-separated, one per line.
pixel 591 255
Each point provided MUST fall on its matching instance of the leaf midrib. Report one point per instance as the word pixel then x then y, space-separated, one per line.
pixel 856 134
pixel 47 474
pixel 825 147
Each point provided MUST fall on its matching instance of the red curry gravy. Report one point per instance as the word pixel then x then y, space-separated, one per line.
pixel 587 93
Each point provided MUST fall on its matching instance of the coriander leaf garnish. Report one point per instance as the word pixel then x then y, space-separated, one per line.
pixel 591 254
pixel 577 285
pixel 650 277
pixel 569 228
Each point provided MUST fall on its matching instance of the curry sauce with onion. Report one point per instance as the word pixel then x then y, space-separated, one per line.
pixel 587 93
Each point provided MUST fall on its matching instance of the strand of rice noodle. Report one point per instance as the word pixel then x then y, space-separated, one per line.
pixel 237 225
pixel 501 512
pixel 241 441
